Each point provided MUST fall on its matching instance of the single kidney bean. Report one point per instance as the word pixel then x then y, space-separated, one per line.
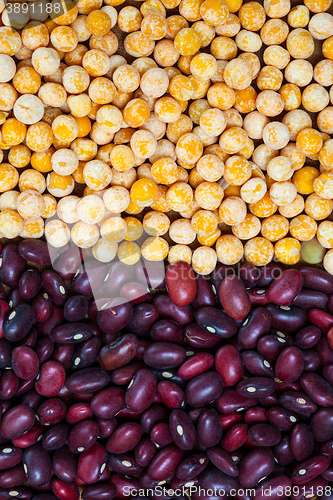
pixel 124 485
pixel 258 297
pixel 160 435
pixel 234 297
pixel 64 464
pixel 164 355
pixel 218 275
pixel 311 360
pixel 89 277
pixel 205 295
pixel 164 464
pixel 282 451
pixel 78 412
pixel 115 315
pixel 171 395
pixel 192 466
pixel 56 436
pixel 255 466
pixel 123 463
pixel 198 337
pixel 18 322
pixel 117 275
pixel 145 451
pixel 30 339
pixel 124 438
pixel 168 310
pixel 231 401
pixel 166 330
pixel 86 354
pixel 307 337
pixel 281 417
pixel 32 436
pixel 83 436
pixel 322 424
pixel 264 435
pixel 25 362
pixel 9 456
pixel 64 490
pixel 144 317
pixel 301 441
pixel 76 308
pixel 317 388
pixel 152 416
pixel 16 421
pixel 124 374
pixel 204 389
pixel 50 379
pixel 63 353
pixel 51 412
pixel 99 492
pixel 209 428
pixel 195 365
pixel 37 465
pixel 249 274
pixel 298 402
pixel 308 470
pixel 182 430
pixel 56 318
pixel 213 478
pixel 106 426
pixel 141 392
pixel 30 283
pixel 274 485
pixel 216 321
pixel 12 265
pixel 87 380
pixel 44 348
pixel 255 416
pixel 119 353
pixel 256 387
pixel 325 351
pixel 13 477
pixel 181 284
pixel 257 364
pixel 68 262
pixel 136 293
pixel 36 251
pixel 306 299
pixel 55 287
pixel 270 400
pixel 289 365
pixel 255 326
pixel 287 318
pixel 71 333
pixel 222 460
pixel 235 438
pixel 284 290
pixel 317 279
pixel 8 384
pixel 228 364
pixel 322 319
pixel 108 402
pixel 92 463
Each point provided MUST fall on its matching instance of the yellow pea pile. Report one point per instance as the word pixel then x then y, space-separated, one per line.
pixel 210 142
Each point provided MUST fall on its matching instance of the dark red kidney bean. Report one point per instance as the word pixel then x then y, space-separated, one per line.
pixel 287 318
pixel 56 318
pixel 124 374
pixel 255 326
pixel 50 379
pixel 123 463
pixel 86 354
pixel 9 456
pixel 32 436
pixel 270 400
pixel 13 477
pixel 125 486
pixel 322 319
pixel 213 478
pixel 271 346
pixel 264 435
pixel 255 466
pixel 152 416
pixel 145 451
pixel 271 272
pixel 8 384
pixel 171 395
pixel 76 308
pixel 99 492
pixel 51 412
pixel 327 448
pixel 18 322
pixel 311 360
pixel 179 483
pixel 329 303
pixel 92 463
pixel 5 353
pixel 142 345
pixel 141 391
pixel 12 265
pixel 25 362
pixel 108 402
pixel 209 428
pixel 322 424
pixel 78 412
pixel 106 426
pixel 308 470
pixel 282 451
pixel 306 299
pixel 118 275
pixel 289 365
pixel 22 493
pixel 30 283
pixel 87 380
pixel 234 297
pixel 136 293
pixel 166 330
pixel 228 365
pixel 55 287
pixel 36 251
pixel 192 466
pixel 83 436
pixel 144 317
pixel 328 474
pixel 205 295
pixel 119 353
pixel 198 337
pixel 255 416
pixel 64 464
pixel 234 438
pixel 44 348
pixel 181 284
pixel 2 292
pixel 89 277
pixel 5 310
pixel 218 275
pixel 310 489
pixel 204 389
pixel 307 337
pixel 71 333
pixel 15 299
pixel 182 430
pixel 249 274
pixel 274 485
pixel 56 436
pixel 284 290
pixel 258 297
pixel 68 262
pixel 124 438
pixel 231 401
pixel 282 418
pixel 301 441
pixel 65 491
pixel 256 387
pixel 257 364
pixel 16 421
pixel 30 339
pixel 298 402
pixel 63 353
pixel 317 279
pixel 327 373
pixel 222 460
pixel 24 386
pixel 325 352
pixel 166 309
pixel 317 388
pixel 164 355
pixel 160 435
pixel 164 464
pixel 215 321
pixel 196 364
pixel 37 465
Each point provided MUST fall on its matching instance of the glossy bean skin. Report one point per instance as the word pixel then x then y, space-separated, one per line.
pixel 200 338
pixel 306 299
pixel 119 353
pixel 166 330
pixel 56 436
pixel 124 438
pixel 78 412
pixel 322 319
pixel 324 350
pixel 145 451
pixel 195 365
pixel 317 279
pixel 205 295
pixel 83 436
pixel 124 374
pixel 204 389
pixel 30 283
pixel 218 275
pixel 23 493
pixel 289 365
pixel 192 466
pixel 106 426
pixel 249 274
pixel 16 422
pixel 118 275
pixel 13 477
pixel 89 278
pixel 64 490
pixel 136 293
pixel 287 318
pixel 15 299
pixel 258 297
pixel 255 416
pixel 170 394
pixel 284 290
pixel 231 401
pixel 216 321
pixel 309 469
pixel 212 477
pixel 91 463
pixel 99 492
pixel 18 323
pixel 8 385
pixel 25 362
pixel 87 380
pixel 234 438
pixel 264 435
pixel 62 353
pixel 164 464
pixel 182 430
pixel 282 418
pixel 51 379
pixel 168 310
pixel 68 262
pixel 72 333
pixel 311 360
pixel 256 465
pixel 141 392
pixel 307 337
pixel 51 412
pixel 123 463
pixel 152 416
pixel 234 298
pixel 86 354
pixel 64 464
pixel 164 355
pixel 144 317
pixel 255 326
pixel 298 402
pixel 181 284
pixel 301 441
pixel 55 318
pixel 108 402
pixel 55 287
pixel 36 251
pixel 256 387
pixel 37 464
pixel 320 391
pixel 274 485
pixel 283 453
pixel 150 273
pixel 271 272
pixel 44 348
pixel 222 460
pixel 76 308
pixel 228 365
pixel 257 364
pixel 313 487
pixel 271 346
pixel 124 485
pixel 160 435
pixel 321 424
pixel 115 315
pixel 327 448
pixel 12 265
pixel 5 310
pixel 10 456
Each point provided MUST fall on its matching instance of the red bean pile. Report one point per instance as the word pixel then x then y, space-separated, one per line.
pixel 226 382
